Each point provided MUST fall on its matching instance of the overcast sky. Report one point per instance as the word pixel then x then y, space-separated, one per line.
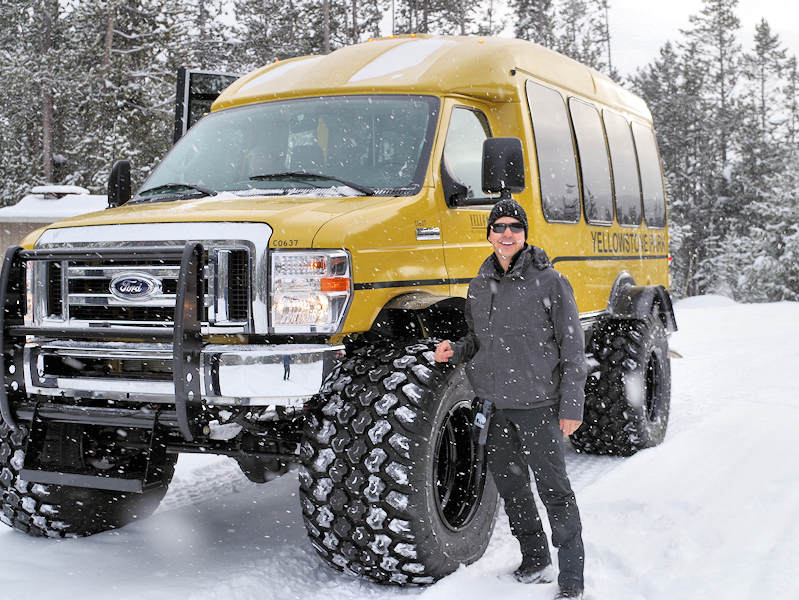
pixel 638 28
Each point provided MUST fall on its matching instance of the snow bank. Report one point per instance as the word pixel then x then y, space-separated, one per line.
pixel 46 204
pixel 709 301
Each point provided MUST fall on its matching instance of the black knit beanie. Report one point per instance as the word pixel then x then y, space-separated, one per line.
pixel 507 208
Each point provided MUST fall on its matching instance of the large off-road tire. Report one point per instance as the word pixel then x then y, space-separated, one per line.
pixel 393 487
pixel 629 392
pixel 65 511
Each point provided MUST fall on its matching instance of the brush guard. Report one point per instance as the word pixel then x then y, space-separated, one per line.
pixel 186 338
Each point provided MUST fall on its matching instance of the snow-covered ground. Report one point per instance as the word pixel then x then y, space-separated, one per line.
pixel 711 513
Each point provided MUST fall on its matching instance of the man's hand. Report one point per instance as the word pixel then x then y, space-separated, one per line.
pixel 443 352
pixel 567 426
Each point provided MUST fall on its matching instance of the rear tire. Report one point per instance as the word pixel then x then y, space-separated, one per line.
pixel 65 511
pixel 628 395
pixel 393 486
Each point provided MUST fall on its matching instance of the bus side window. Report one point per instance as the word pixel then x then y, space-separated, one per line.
pixel 651 176
pixel 593 158
pixel 554 149
pixel 463 150
pixel 625 169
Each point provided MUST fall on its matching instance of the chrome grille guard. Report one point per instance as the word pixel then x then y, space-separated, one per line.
pixel 186 334
pixel 175 364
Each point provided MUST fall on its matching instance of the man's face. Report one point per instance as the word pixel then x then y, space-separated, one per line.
pixel 507 243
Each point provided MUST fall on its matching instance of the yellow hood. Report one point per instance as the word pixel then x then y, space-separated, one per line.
pixel 297 217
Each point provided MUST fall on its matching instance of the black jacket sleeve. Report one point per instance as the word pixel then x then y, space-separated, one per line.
pixel 465 348
pixel 571 343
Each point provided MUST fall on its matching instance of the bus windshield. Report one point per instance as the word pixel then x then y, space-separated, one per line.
pixel 353 144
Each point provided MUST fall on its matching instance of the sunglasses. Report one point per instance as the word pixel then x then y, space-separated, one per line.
pixel 500 227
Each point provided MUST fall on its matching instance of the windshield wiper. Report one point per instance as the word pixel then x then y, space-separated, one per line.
pixel 177 186
pixel 301 175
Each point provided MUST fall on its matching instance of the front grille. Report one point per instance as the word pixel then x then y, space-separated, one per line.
pixel 55 304
pixel 238 286
pixel 88 298
pixel 133 315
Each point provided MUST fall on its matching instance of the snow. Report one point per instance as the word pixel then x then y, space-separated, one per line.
pixel 58 190
pixel 709 301
pixel 46 204
pixel 713 512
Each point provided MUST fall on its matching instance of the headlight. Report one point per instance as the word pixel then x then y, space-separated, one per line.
pixel 310 290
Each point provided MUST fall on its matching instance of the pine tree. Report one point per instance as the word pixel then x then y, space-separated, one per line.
pixel 765 184
pixel 209 43
pixel 577 28
pixel 453 17
pixel 449 17
pixel 760 155
pixel 265 38
pixel 730 167
pixel 714 32
pixel 712 40
pixel 487 19
pixel 790 93
pixel 20 113
pixel 536 20
pixel 123 57
pixel 770 272
pixel 30 53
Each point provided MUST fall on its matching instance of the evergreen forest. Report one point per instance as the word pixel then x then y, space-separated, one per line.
pixel 86 82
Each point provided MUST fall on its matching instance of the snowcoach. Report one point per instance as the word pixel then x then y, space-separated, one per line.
pixel 274 290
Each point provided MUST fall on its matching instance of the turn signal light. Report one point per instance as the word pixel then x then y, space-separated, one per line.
pixel 335 284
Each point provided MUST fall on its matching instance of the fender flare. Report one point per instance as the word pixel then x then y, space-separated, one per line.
pixel 639 301
pixel 438 315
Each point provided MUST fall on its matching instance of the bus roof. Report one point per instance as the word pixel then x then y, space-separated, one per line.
pixel 492 69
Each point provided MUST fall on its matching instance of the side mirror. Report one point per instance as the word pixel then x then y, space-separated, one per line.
pixel 119 184
pixel 503 166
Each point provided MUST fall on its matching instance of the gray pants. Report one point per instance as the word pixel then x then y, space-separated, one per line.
pixel 516 439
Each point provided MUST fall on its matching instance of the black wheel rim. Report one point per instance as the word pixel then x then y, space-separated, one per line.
pixel 459 468
pixel 654 372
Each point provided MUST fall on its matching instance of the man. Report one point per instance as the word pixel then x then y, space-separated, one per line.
pixel 526 356
pixel 286 367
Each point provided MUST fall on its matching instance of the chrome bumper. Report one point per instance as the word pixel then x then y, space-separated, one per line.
pixel 235 375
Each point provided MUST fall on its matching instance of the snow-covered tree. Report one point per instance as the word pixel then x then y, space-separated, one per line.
pixel 727 141
pixel 758 134
pixel 20 107
pixel 130 51
pixel 450 17
pixel 577 28
pixel 536 20
pixel 210 43
pixel 790 93
pixel 714 32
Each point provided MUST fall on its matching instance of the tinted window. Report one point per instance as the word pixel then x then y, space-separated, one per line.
pixel 651 180
pixel 555 153
pixel 593 155
pixel 625 170
pixel 463 151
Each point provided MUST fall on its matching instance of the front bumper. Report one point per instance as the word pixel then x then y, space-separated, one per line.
pixel 233 375
pixel 169 365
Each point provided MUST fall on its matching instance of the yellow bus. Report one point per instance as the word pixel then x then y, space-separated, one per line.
pixel 275 288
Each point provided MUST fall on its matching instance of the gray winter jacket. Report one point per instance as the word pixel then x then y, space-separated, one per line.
pixel 525 344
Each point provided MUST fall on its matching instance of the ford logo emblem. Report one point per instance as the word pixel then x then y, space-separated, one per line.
pixel 134 287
